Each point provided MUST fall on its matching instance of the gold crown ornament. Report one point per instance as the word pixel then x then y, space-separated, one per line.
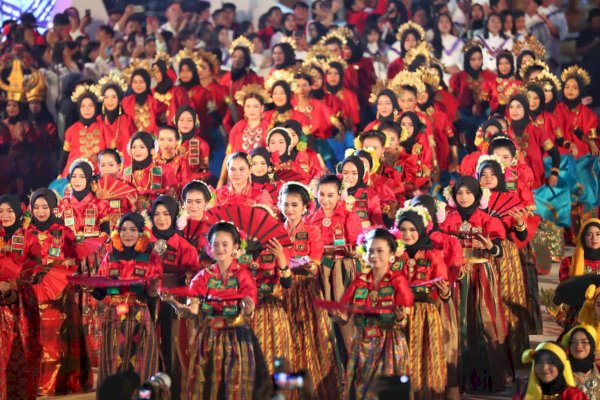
pixel 422 49
pixel 81 90
pixel 343 34
pixel 279 75
pixel 575 71
pixel 532 64
pixel 377 88
pixel 410 26
pixel 429 76
pixel 529 43
pixel 485 158
pixel 163 56
pixel 36 92
pixel 253 88
pixel 289 40
pixel 241 41
pixel 407 78
pixel 514 90
pixel 186 53
pixel 547 80
pixel 209 58
pixel 20 84
pixel 136 64
pixel 333 58
pixel 471 44
pixel 105 82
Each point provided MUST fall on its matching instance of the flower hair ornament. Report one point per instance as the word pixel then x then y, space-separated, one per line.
pixel 361 245
pixel 181 220
pixel 141 245
pixel 310 207
pixel 448 194
pixel 486 158
pixel 243 239
pixel 421 212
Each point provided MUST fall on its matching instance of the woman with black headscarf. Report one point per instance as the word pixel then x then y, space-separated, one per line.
pixel 505 82
pixel 415 155
pixel 482 351
pixel 262 173
pixel 56 298
pixel 120 126
pixel 388 109
pixel 531 141
pixel 192 147
pixel 86 137
pixel 170 96
pixel 129 332
pixel 360 198
pixel 468 87
pixel 491 127
pixel 140 104
pixel 280 89
pixel 580 346
pixel 302 158
pixel 334 84
pixel 19 313
pixel 508 208
pixel 180 262
pixel 424 268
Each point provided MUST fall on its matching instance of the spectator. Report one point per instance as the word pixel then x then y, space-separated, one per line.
pixel 548 24
pixel 301 13
pixel 322 12
pixel 175 20
pixel 588 44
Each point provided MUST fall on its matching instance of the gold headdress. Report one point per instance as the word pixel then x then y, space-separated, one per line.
pixel 81 90
pixel 289 40
pixel 575 71
pixel 337 59
pixel 422 49
pixel 410 26
pixel 279 75
pixel 107 80
pixel 241 41
pixel 253 88
pixel 37 91
pixel 209 58
pixel 429 76
pixel 19 84
pixel 315 53
pixel 376 89
pixel 530 43
pixel 185 53
pixel 304 70
pixel 407 78
pixel 133 65
pixel 471 44
pixel 485 158
pixel 530 64
pixel 546 78
pixel 343 34
pixel 515 89
pixel 162 56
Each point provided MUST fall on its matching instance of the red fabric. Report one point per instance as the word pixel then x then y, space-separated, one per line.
pixel 237 141
pixel 447 103
pixel 366 78
pixel 374 215
pixel 357 19
pixel 249 196
pixel 195 233
pixel 582 118
pixel 179 97
pixel 246 285
pixel 155 109
pixel 442 132
pixel 232 87
pixel 90 202
pixel 395 67
pixel 565 267
pixel 452 251
pixel 308 162
pixel 351 79
pixel 499 87
pixel 530 145
pixel 335 104
pixel 344 225
pixel 142 179
pixel 119 132
pixel 464 87
pixel 132 269
pixel 403 296
pixel 350 107
pixel 307 241
pixel 195 158
pixel 176 171
pixel 420 273
pixel 82 141
pixel 201 96
pixel 272 117
pixel 491 227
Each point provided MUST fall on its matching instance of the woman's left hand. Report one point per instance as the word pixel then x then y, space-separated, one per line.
pixel 486 241
pixel 443 288
pixel 274 247
pixel 519 216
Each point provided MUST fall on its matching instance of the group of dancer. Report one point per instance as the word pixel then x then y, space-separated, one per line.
pixel 379 272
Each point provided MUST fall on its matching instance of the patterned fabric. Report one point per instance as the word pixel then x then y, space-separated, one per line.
pixel 532 291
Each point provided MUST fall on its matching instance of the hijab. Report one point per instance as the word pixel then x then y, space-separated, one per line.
pixel 587 363
pixel 417 128
pixel 195 81
pixel 428 202
pixel 467 63
pixel 129 253
pixel 264 153
pixel 508 56
pixel 87 121
pixel 140 98
pixel 394 99
pixel 340 69
pixel 112 115
pixel 589 254
pixel 360 167
pixel 520 125
pixel 473 185
pixel 576 101
pixel 285 157
pixel 52 201
pixel 173 209
pixel 163 86
pixel 540 93
pixel 89 174
pixel 497 169
pixel 148 141
pixel 320 92
pixel 559 384
pixel 237 74
pixel 423 242
pixel 14 203
pixel 288 94
pixel 187 108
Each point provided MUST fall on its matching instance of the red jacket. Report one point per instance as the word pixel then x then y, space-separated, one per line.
pixel 84 217
pixel 119 132
pixel 171 101
pixel 470 91
pixel 178 259
pixel 341 229
pixel 250 196
pixel 82 141
pixel 146 117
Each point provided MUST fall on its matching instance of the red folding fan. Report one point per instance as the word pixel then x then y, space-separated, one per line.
pixel 9 270
pixel 53 283
pixel 110 188
pixel 256 222
pixel 502 203
pixel 186 291
pixel 290 175
pixel 103 281
pixel 88 246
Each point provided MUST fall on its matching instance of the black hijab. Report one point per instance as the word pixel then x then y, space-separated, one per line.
pixel 320 92
pixel 394 99
pixel 340 69
pixel 423 243
pixel 520 125
pixel 497 169
pixel 473 185
pixel 112 115
pixel 167 83
pixel 89 175
pixel 195 81
pixel 91 96
pixel 173 209
pixel 537 89
pixel 148 141
pixel 360 168
pixel 417 128
pixel 285 157
pixel 52 201
pixel 288 94
pixel 508 56
pixel 14 203
pixel 589 254
pixel 520 57
pixel 129 253
pixel 187 108
pixel 587 363
pixel 572 103
pixel 140 98
pixel 467 63
pixel 428 202
pixel 558 385
pixel 22 115
pixel 238 73
pixel 264 153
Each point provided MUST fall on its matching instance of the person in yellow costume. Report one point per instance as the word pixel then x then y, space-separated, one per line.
pixel 586 257
pixel 580 345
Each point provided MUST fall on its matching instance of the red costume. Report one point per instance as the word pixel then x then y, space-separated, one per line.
pixel 119 132
pixel 232 87
pixel 532 144
pixel 195 233
pixel 446 102
pixel 470 91
pixel 443 132
pixel 499 90
pixel 395 67
pixel 243 138
pixel 195 153
pixel 318 117
pixel 341 229
pixel 171 101
pixel 149 182
pixel 350 107
pixel 578 125
pixel 144 116
pixel 84 217
pixel 366 78
pixel 249 196
pixel 86 142
pixel 367 205
pixel 425 266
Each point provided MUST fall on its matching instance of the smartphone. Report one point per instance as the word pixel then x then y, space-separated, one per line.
pixel 285 381
pixel 144 394
pixel 88 12
pixel 139 9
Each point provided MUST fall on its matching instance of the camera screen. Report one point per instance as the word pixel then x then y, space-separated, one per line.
pixel 283 381
pixel 144 394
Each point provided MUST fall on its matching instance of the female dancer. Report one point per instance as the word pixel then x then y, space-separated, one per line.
pixel 120 126
pixel 196 197
pixel 192 148
pixel 580 346
pixel 586 257
pixel 140 105
pixel 359 198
